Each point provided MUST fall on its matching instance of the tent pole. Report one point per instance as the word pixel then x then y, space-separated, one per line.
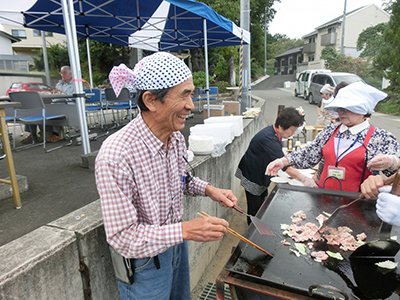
pixel 70 30
pixel 89 59
pixel 206 62
pixel 45 59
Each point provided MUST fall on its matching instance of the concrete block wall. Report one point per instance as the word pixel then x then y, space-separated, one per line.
pixel 69 258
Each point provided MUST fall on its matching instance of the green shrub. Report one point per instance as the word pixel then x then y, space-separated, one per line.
pixel 222 85
pixel 391 105
pixel 199 79
pixel 221 70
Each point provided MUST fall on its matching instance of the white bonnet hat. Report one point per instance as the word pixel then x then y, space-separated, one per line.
pixel 358 97
pixel 327 89
pixel 157 71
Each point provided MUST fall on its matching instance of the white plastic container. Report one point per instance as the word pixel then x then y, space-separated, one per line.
pixel 201 144
pixel 223 131
pixel 236 120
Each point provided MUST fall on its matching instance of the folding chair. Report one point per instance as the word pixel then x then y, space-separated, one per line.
pixel 213 92
pixel 94 106
pixel 33 112
pixel 124 101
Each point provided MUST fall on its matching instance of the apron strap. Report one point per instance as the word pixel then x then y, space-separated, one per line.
pixel 367 138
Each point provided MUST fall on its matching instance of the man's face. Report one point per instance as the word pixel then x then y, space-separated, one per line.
pixel 66 75
pixel 171 115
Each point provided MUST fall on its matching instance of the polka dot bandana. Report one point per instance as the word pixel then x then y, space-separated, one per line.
pixel 160 70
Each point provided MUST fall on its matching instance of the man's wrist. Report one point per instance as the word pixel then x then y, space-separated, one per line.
pixel 208 190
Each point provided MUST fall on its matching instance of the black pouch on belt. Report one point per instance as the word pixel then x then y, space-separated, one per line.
pixel 123 268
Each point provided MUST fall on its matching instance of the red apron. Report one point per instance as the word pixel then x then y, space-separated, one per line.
pixel 353 162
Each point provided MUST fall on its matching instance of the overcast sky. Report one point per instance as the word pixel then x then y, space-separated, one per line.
pixel 296 18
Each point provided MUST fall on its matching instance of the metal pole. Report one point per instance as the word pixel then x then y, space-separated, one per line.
pixel 265 41
pixel 245 24
pixel 70 31
pixel 240 97
pixel 45 58
pixel 206 62
pixel 343 27
pixel 89 59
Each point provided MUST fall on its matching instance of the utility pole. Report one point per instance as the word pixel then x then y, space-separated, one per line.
pixel 265 41
pixel 245 101
pixel 343 27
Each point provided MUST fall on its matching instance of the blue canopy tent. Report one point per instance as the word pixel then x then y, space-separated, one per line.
pixel 145 24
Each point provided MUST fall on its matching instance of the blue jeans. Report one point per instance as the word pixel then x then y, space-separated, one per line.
pixel 170 281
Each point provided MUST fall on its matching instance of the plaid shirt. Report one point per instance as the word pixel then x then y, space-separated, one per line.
pixel 141 190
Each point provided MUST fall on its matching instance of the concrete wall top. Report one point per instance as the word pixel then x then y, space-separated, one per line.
pixel 19 255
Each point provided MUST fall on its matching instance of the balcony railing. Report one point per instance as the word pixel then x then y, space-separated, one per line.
pixel 309 48
pixel 328 39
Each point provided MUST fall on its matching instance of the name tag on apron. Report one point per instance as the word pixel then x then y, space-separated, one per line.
pixel 338 172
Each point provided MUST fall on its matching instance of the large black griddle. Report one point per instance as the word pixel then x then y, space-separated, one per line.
pixel 301 274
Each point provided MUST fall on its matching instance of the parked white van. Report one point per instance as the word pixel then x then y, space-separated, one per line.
pixel 303 82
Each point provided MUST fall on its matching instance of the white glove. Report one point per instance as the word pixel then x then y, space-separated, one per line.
pixel 274 166
pixel 384 162
pixel 307 181
pixel 388 206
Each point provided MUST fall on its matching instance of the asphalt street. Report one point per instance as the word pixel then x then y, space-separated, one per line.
pixel 59 185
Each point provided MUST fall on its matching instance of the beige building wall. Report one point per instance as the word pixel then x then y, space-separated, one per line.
pixel 355 23
pixel 32 42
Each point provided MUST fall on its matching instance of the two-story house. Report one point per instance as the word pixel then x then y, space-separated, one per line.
pixel 30 40
pixel 329 34
pixel 287 62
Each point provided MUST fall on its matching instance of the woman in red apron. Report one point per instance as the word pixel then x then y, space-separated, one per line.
pixel 349 145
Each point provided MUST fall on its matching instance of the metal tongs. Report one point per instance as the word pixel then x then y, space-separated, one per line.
pixel 387 181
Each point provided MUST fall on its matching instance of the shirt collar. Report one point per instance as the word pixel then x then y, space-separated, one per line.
pixel 154 144
pixel 355 129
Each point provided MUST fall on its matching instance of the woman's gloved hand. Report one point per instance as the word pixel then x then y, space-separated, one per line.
pixel 388 206
pixel 384 162
pixel 307 181
pixel 274 166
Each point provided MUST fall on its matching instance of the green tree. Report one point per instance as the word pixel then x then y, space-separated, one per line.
pixel 371 40
pixel 103 57
pixel 57 57
pixel 339 62
pixel 261 13
pixel 388 57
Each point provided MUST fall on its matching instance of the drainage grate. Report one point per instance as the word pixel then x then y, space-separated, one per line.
pixel 210 292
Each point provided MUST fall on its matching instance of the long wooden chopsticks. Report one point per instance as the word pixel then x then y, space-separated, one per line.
pixel 239 236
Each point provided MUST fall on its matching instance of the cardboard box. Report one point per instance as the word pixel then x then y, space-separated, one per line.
pixel 231 108
pixel 215 110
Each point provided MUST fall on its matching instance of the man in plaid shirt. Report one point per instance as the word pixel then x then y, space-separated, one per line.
pixel 141 179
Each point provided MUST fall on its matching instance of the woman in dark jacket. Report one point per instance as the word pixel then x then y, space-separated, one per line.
pixel 266 146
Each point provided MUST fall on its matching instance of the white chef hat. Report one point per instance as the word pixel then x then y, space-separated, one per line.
pixel 358 97
pixel 157 71
pixel 327 89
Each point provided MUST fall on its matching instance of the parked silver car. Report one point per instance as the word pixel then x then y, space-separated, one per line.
pixel 334 78
pixel 303 82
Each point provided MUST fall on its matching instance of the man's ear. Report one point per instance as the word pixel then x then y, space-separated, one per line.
pixel 149 99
